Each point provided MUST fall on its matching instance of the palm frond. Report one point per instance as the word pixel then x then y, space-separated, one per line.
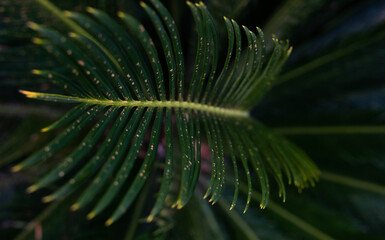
pixel 127 102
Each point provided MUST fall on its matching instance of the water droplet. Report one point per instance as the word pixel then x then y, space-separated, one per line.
pixel 81 63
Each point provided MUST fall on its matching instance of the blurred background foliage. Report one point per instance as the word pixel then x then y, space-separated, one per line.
pixel 330 100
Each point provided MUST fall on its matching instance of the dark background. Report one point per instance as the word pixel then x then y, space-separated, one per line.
pixel 347 89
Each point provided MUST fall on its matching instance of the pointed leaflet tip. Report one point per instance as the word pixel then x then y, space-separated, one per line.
pixel 142 4
pixel 46 129
pixel 32 189
pixel 90 9
pixel 150 218
pixel 290 50
pixel 74 207
pixel 33 25
pixel 121 14
pixel 16 168
pixel 67 13
pixel 246 207
pixel 90 216
pixel 72 34
pixel 178 205
pixel 37 41
pixel 36 71
pixel 109 222
pixel 28 94
pixel 47 199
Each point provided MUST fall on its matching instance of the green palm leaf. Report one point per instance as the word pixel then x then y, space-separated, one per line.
pixel 128 101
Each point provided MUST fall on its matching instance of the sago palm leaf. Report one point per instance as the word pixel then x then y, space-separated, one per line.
pixel 132 107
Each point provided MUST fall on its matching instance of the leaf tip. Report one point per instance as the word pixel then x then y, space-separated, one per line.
pixel 143 4
pixel 37 41
pixel 109 222
pixel 33 25
pixel 74 207
pixel 289 50
pixel 16 168
pixel 32 188
pixel 67 13
pixel 90 9
pixel 47 199
pixel 72 34
pixel 46 129
pixel 28 94
pixel 91 215
pixel 150 218
pixel 36 71
pixel 121 14
pixel 178 204
pixel 246 207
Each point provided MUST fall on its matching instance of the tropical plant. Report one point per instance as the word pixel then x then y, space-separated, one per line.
pixel 147 123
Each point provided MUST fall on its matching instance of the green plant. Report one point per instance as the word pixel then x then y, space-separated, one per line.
pixel 102 56
pixel 127 106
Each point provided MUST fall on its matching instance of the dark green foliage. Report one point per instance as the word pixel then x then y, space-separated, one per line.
pixel 157 121
pixel 117 73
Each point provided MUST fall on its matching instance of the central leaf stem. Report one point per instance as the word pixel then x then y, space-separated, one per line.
pixel 168 104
